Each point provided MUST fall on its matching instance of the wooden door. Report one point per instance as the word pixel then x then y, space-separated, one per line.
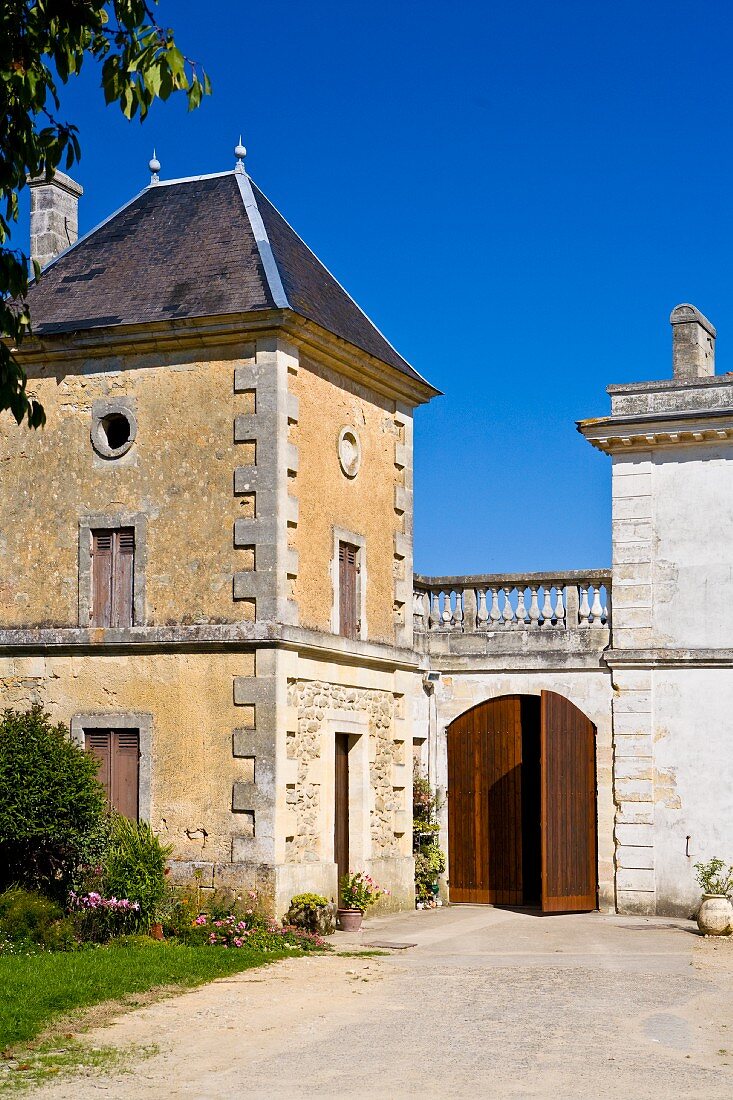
pixel 568 807
pixel 485 803
pixel 341 806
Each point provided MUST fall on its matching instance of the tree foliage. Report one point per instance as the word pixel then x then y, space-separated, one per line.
pixel 52 808
pixel 44 43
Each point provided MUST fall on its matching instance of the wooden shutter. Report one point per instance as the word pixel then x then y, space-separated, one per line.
pixel 125 769
pixel 569 875
pixel 122 577
pixel 485 803
pixel 113 557
pixel 102 552
pixel 348 590
pixel 98 743
pixel 118 753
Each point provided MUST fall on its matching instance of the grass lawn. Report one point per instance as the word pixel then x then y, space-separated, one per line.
pixel 36 989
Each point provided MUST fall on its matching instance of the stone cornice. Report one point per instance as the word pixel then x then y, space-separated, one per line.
pixel 637 433
pixel 186 334
pixel 669 658
pixel 50 641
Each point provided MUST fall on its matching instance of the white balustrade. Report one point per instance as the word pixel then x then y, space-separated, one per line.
pixel 487 605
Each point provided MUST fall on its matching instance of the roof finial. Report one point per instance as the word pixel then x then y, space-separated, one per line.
pixel 240 153
pixel 154 166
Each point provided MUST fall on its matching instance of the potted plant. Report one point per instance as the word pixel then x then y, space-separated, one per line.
pixel 715 915
pixel 357 892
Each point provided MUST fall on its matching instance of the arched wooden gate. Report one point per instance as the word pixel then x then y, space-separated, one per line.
pixel 522 804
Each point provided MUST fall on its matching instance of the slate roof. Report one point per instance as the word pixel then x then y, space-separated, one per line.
pixel 196 248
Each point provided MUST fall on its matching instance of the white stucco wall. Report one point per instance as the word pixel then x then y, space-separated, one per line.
pixel 672 638
pixel 693 546
pixel 693 776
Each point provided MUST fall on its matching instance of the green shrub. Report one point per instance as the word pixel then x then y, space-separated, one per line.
pixel 308 901
pixel 52 808
pixel 429 863
pixel 30 918
pixel 714 877
pixel 134 868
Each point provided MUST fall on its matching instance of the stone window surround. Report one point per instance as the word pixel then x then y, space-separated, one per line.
pixel 342 535
pixel 107 522
pixel 120 406
pixel 123 720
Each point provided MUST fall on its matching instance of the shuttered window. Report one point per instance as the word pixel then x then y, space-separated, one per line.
pixel 118 754
pixel 348 590
pixel 113 557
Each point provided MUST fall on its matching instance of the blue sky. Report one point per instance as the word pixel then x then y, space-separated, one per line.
pixel 517 194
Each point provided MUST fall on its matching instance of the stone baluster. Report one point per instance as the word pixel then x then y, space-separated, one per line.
pixel 584 609
pixel 559 614
pixel 495 615
pixel 482 614
pixel 508 614
pixel 534 607
pixel 597 607
pixel 469 610
pixel 571 606
pixel 434 609
pixel 458 612
pixel 547 607
pixel 521 609
pixel 447 612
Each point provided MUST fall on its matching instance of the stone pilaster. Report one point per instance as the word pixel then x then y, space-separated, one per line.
pixel 264 481
pixel 403 538
pixel 254 745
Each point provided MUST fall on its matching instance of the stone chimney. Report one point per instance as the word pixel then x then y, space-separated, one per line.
pixel 54 215
pixel 693 344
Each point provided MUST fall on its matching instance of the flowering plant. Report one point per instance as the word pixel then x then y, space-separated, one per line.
pixel 359 891
pixel 98 918
pixel 93 900
pixel 258 934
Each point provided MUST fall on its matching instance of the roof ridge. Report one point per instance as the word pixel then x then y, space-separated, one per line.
pixel 272 272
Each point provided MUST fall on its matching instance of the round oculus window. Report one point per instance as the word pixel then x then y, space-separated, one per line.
pixel 113 432
pixel 349 450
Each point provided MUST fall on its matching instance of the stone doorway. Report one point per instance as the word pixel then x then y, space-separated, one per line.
pixel 522 804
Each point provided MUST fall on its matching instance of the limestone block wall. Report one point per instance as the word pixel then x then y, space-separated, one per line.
pixel 325 699
pixel 185 709
pixel 177 478
pixel 375 504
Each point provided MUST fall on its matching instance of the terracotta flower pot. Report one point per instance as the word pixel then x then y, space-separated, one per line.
pixel 715 915
pixel 349 920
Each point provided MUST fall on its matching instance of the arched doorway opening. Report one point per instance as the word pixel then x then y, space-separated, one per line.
pixel 522 804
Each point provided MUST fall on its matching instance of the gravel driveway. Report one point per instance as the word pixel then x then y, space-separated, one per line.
pixel 490 1003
